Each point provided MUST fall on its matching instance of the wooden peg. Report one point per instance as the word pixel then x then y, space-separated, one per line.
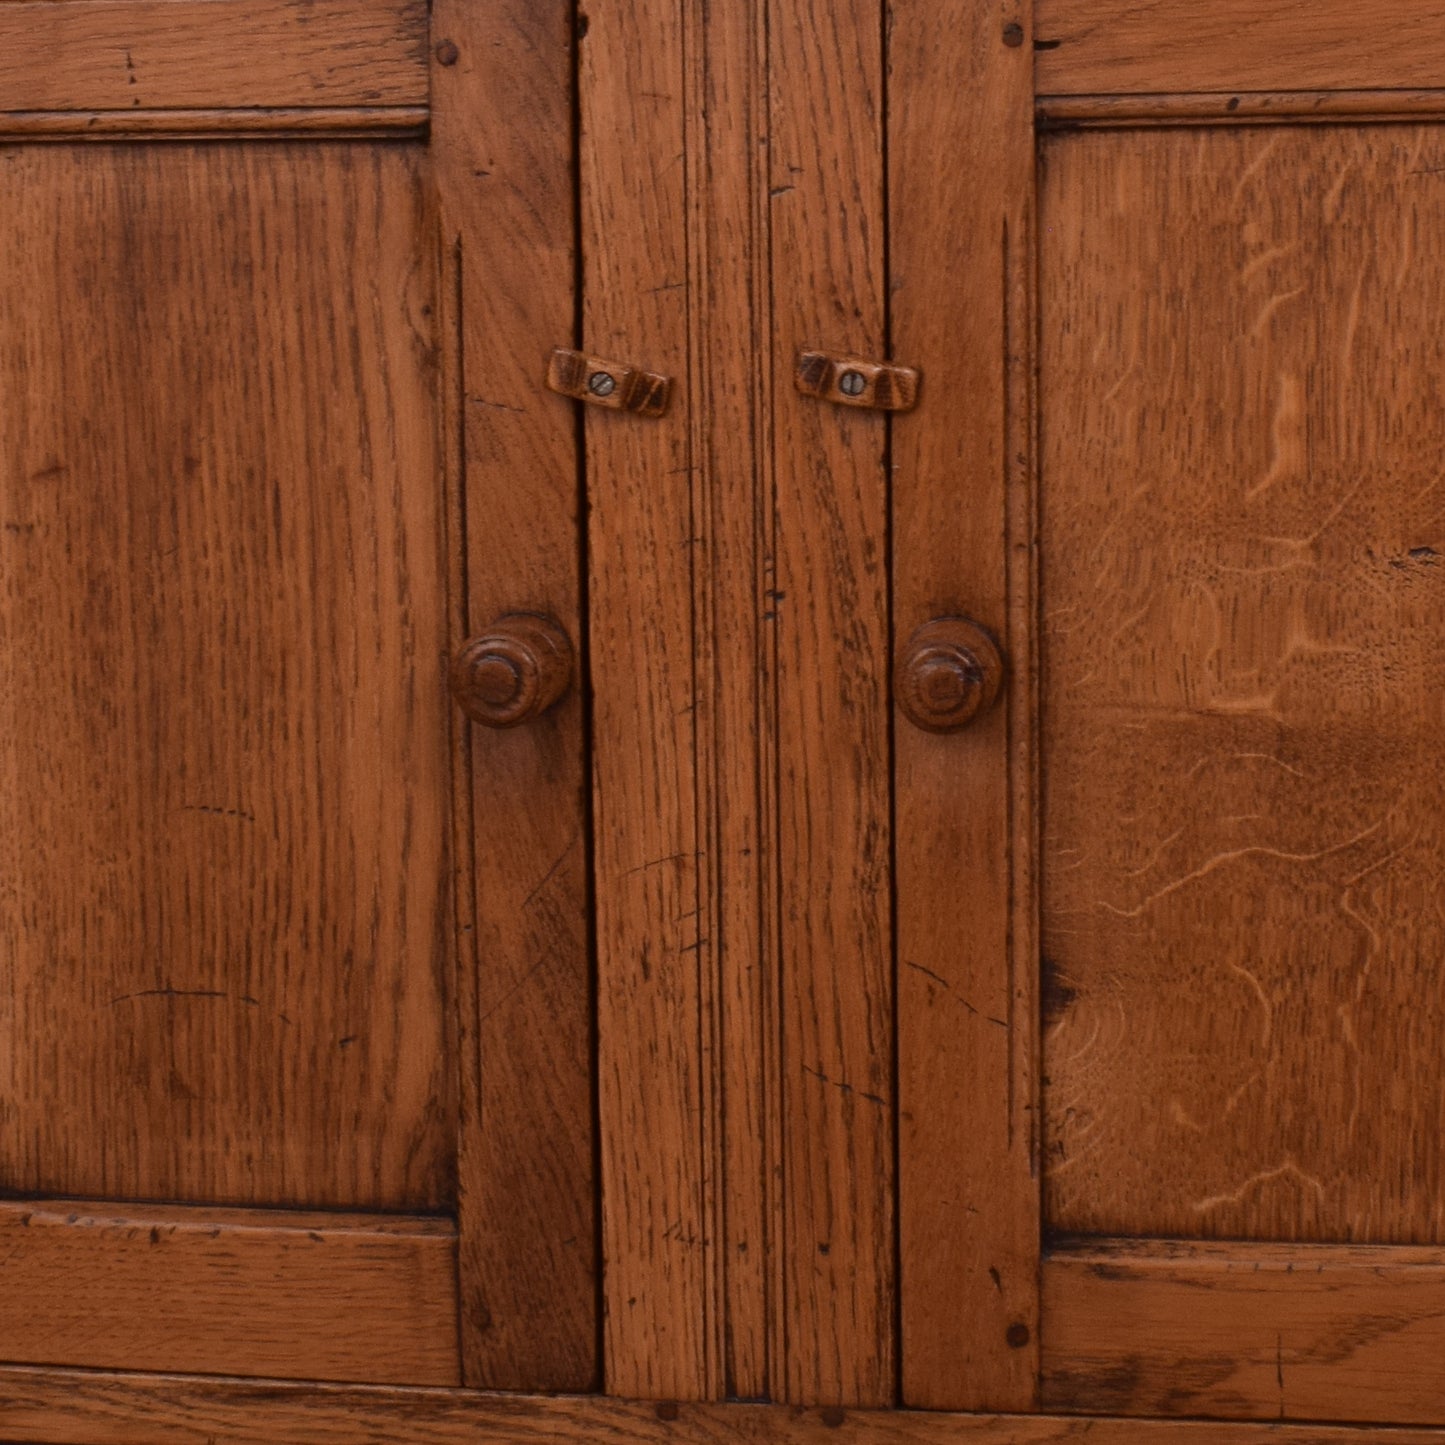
pixel 607 383
pixel 851 381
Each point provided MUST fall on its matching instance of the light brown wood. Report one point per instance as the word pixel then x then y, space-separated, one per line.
pixel 1276 1331
pixel 734 599
pixel 241 1292
pixel 831 617
pixel 87 55
pixel 656 1109
pixel 277 122
pixel 57 1407
pixel 503 157
pixel 1116 46
pixel 223 772
pixel 1300 107
pixel 1243 601
pixel 961 261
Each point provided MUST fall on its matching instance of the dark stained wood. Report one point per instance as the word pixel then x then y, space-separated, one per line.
pixel 88 55
pixel 58 1407
pixel 655 1106
pixel 850 381
pixel 1276 1331
pixel 607 383
pixel 503 157
pixel 224 913
pixel 1115 46
pixel 244 1292
pixel 961 265
pixel 833 656
pixel 949 672
pixel 521 666
pixel 1301 107
pixel 1243 601
pixel 311 122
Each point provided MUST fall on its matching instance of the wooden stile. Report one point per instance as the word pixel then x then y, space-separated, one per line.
pixel 503 155
pixel 961 262
pixel 831 605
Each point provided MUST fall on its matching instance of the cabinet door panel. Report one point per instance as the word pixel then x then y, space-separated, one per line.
pixel 1242 602
pixel 225 804
pixel 1243 596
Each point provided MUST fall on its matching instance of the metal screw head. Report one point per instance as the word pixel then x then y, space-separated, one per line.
pixel 851 383
pixel 601 384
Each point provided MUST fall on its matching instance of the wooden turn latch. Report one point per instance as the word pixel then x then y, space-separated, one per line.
pixel 607 383
pixel 851 381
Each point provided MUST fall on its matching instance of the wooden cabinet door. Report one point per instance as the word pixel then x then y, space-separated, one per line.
pixel 275 919
pixel 1170 1018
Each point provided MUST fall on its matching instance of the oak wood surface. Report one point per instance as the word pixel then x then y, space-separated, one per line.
pixel 224 916
pixel 240 1292
pixel 735 605
pixel 1243 599
pixel 502 154
pixel 57 1407
pixel 168 54
pixel 1244 1328
pixel 960 258
pixel 1115 46
pixel 827 223
pixel 658 1223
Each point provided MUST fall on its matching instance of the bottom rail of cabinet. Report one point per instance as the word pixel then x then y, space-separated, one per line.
pixel 40 1406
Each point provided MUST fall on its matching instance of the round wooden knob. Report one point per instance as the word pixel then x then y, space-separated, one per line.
pixel 950 672
pixel 514 671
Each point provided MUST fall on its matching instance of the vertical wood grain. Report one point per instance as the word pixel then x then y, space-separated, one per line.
pixel 502 139
pixel 224 907
pixel 831 615
pixel 733 596
pixel 654 1019
pixel 960 86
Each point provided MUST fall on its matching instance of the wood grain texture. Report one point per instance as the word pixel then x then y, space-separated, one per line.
pixel 58 1407
pixel 311 122
pixel 961 259
pixel 1115 46
pixel 658 1229
pixel 224 915
pixel 732 602
pixel 240 1292
pixel 1244 594
pixel 1253 107
pixel 831 604
pixel 165 54
pixel 503 155
pixel 1278 1331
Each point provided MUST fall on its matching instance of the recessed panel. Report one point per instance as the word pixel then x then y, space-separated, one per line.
pixel 224 801
pixel 1243 710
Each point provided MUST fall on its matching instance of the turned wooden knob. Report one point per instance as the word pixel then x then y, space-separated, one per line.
pixel 950 672
pixel 514 671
